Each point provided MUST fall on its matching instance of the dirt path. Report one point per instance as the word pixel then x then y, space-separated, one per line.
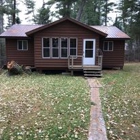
pixel 97 130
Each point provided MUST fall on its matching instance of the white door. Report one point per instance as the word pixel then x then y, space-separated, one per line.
pixel 89 52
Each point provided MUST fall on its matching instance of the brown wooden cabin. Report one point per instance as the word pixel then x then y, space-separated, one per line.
pixel 65 44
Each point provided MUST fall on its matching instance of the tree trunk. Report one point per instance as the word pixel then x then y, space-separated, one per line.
pixel 1 18
pixel 14 68
pixel 14 13
pixel 80 11
pixel 106 12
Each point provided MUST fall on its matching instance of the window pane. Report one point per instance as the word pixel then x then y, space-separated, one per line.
pixel 64 43
pixel 20 45
pixel 89 53
pixel 89 44
pixel 55 53
pixel 110 46
pixel 72 51
pixel 105 46
pixel 46 52
pixel 72 43
pixel 46 42
pixel 63 52
pixel 25 45
pixel 54 42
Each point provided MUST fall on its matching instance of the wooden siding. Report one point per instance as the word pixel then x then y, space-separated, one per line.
pixel 65 29
pixel 114 58
pixel 21 57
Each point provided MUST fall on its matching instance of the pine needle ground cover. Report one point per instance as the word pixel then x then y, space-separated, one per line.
pixel 41 107
pixel 121 102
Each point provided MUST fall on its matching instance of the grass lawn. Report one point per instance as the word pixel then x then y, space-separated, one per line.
pixel 42 107
pixel 120 97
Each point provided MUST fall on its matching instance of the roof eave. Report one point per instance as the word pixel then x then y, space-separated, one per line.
pixel 127 38
pixel 15 37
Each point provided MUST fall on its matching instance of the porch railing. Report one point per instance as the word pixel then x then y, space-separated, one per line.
pixel 72 59
pixel 100 61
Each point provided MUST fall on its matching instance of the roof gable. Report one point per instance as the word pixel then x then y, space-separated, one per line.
pixel 66 19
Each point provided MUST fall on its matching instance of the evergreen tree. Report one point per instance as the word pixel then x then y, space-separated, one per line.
pixel 91 14
pixel 1 16
pixel 30 5
pixel 130 19
pixel 43 15
pixel 10 9
pixel 96 12
pixel 63 7
pixel 106 8
pixel 2 46
pixel 80 9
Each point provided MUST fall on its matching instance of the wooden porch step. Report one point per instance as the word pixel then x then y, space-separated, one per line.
pixel 92 73
pixel 92 68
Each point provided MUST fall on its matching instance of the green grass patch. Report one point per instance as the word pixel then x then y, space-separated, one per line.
pixel 42 107
pixel 120 97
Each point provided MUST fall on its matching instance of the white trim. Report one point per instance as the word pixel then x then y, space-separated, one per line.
pixel 59 47
pixel 22 45
pixel 108 46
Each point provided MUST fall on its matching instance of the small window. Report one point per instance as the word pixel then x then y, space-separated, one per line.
pixel 46 47
pixel 22 45
pixel 108 46
pixel 73 46
pixel 64 47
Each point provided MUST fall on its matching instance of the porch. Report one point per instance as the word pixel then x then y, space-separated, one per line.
pixel 89 70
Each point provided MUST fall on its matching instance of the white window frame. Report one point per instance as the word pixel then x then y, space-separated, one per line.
pixel 62 48
pixel 46 47
pixel 72 47
pixel 108 45
pixel 59 47
pixel 22 45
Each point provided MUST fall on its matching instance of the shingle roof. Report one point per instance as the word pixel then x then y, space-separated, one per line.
pixel 19 30
pixel 112 32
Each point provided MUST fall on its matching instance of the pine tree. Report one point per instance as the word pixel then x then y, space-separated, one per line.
pixel 1 16
pixel 91 14
pixel 130 19
pixel 43 15
pixel 106 7
pixel 2 46
pixel 63 7
pixel 10 9
pixel 30 5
